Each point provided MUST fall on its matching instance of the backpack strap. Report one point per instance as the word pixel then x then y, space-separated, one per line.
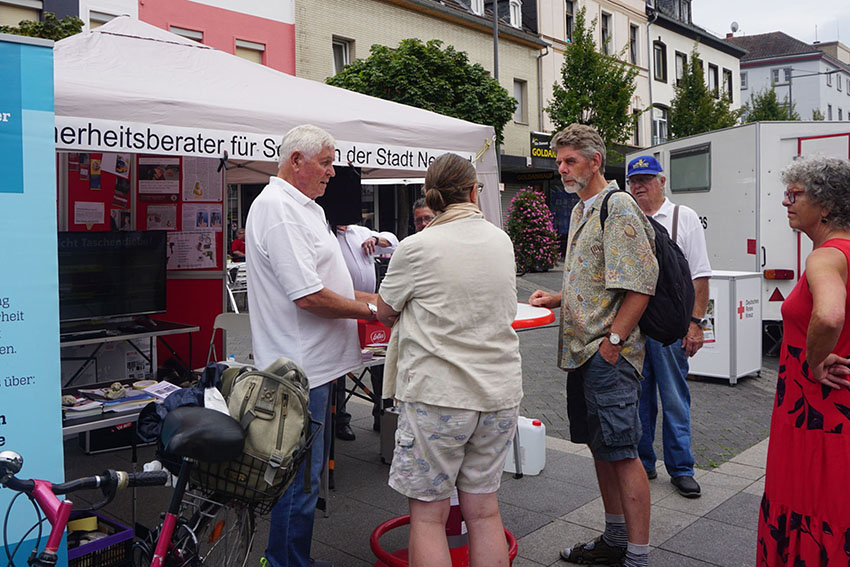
pixel 675 223
pixel 603 210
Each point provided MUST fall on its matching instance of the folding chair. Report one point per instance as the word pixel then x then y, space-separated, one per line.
pixel 236 338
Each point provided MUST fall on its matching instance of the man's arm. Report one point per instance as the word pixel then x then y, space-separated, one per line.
pixel 630 312
pixel 331 305
pixel 694 339
pixel 386 314
pixel 542 298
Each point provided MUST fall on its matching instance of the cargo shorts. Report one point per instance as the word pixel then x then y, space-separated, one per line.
pixel 602 406
pixel 439 448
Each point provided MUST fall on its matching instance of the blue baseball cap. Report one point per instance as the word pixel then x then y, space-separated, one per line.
pixel 644 165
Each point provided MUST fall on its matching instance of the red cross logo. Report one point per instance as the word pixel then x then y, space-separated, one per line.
pixel 740 310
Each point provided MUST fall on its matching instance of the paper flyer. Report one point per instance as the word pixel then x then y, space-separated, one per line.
pixel 159 175
pixel 201 217
pixel 191 250
pixel 162 217
pixel 118 164
pixel 201 180
pixel 86 212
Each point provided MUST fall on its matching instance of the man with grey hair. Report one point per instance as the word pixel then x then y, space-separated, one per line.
pixel 303 306
pixel 422 214
pixel 609 276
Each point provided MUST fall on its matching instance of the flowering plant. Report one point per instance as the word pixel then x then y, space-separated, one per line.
pixel 529 225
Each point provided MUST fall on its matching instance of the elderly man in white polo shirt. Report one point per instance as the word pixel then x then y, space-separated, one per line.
pixel 303 306
pixel 665 369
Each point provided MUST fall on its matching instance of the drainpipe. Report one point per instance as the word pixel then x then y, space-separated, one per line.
pixel 540 88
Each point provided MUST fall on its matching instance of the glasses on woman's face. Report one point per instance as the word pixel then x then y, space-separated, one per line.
pixel 791 195
pixel 478 187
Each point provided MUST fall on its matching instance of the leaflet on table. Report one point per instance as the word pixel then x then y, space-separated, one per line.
pixel 161 390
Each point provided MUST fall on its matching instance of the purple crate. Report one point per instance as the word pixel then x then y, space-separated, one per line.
pixel 110 551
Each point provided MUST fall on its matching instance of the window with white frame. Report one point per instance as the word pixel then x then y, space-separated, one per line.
pixel 521 96
pixel 690 169
pixel 829 78
pixel 633 44
pixel 848 87
pixel 187 33
pixel 12 13
pixel 477 7
pixel 727 85
pixel 97 19
pixel 838 83
pixel 829 112
pixel 605 31
pixel 636 131
pixel 685 12
pixel 568 7
pixel 743 80
pixel 659 125
pixel 250 50
pixel 840 116
pixel 681 66
pixel 341 53
pixel 516 13
pixel 713 83
pixel 659 51
pixel 780 76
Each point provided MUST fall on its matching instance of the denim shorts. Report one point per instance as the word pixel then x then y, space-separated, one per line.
pixel 602 405
pixel 439 448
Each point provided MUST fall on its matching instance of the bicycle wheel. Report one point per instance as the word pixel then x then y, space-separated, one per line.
pixel 226 535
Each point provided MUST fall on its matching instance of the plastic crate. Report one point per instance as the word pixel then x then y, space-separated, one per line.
pixel 110 551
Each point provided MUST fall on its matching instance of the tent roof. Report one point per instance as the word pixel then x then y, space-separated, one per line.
pixel 129 71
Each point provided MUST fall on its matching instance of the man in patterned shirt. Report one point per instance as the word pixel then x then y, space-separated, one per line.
pixel 609 277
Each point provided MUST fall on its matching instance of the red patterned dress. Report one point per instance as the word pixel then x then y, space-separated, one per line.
pixel 804 518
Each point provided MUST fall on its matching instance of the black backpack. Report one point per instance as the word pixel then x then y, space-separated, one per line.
pixel 668 315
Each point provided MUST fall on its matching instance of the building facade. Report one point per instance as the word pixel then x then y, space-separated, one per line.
pixel 814 78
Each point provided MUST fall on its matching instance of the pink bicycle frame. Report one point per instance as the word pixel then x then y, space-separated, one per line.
pixel 57 512
pixel 164 540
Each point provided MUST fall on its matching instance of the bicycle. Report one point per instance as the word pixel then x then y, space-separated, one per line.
pixel 196 530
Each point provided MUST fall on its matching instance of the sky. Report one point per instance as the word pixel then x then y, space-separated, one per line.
pixel 797 19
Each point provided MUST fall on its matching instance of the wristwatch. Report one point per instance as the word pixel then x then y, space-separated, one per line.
pixel 373 309
pixel 614 339
pixel 701 323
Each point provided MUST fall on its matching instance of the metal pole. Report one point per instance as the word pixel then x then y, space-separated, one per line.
pixel 496 39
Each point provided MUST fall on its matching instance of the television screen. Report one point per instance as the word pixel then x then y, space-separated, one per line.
pixel 111 274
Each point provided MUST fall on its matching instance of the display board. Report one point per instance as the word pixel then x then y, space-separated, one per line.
pixel 30 422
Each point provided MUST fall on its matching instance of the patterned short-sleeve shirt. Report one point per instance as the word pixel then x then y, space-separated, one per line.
pixel 600 267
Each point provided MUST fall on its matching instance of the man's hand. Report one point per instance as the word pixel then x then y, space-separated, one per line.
pixel 832 372
pixel 369 245
pixel 693 340
pixel 610 352
pixel 542 298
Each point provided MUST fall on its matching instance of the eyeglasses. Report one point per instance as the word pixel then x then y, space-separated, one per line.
pixel 639 180
pixel 479 187
pixel 791 195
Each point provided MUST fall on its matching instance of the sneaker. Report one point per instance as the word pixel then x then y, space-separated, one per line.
pixel 687 486
pixel 652 475
pixel 595 552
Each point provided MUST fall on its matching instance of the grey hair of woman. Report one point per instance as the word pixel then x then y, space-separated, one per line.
pixel 827 183
pixel 307 139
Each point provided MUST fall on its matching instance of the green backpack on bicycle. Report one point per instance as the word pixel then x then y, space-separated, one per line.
pixel 272 407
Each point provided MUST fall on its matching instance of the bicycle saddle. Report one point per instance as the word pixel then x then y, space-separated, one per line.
pixel 201 434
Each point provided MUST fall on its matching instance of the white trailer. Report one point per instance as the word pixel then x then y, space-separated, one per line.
pixel 731 178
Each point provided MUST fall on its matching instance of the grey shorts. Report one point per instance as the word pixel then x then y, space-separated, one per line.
pixel 439 448
pixel 602 405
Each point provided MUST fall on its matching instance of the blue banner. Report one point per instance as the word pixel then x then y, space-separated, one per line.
pixel 30 389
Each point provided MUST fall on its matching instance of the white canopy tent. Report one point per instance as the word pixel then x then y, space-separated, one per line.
pixel 131 87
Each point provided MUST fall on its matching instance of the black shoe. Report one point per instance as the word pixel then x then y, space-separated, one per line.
pixel 652 475
pixel 345 433
pixel 687 486
pixel 595 552
pixel 376 424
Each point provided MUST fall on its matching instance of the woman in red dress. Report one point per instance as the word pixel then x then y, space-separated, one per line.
pixel 804 518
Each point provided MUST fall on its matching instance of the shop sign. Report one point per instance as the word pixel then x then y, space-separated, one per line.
pixel 540 145
pixel 96 135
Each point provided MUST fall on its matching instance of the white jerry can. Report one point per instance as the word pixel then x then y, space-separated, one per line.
pixel 532 447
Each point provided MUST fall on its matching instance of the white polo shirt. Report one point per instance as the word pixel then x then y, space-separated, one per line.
pixel 690 237
pixel 360 266
pixel 291 254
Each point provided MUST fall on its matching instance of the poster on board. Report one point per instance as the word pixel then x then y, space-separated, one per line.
pixel 30 420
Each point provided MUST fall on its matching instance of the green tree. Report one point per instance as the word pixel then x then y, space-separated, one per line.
pixel 595 89
pixel 694 108
pixel 765 105
pixel 529 224
pixel 817 114
pixel 426 75
pixel 50 27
